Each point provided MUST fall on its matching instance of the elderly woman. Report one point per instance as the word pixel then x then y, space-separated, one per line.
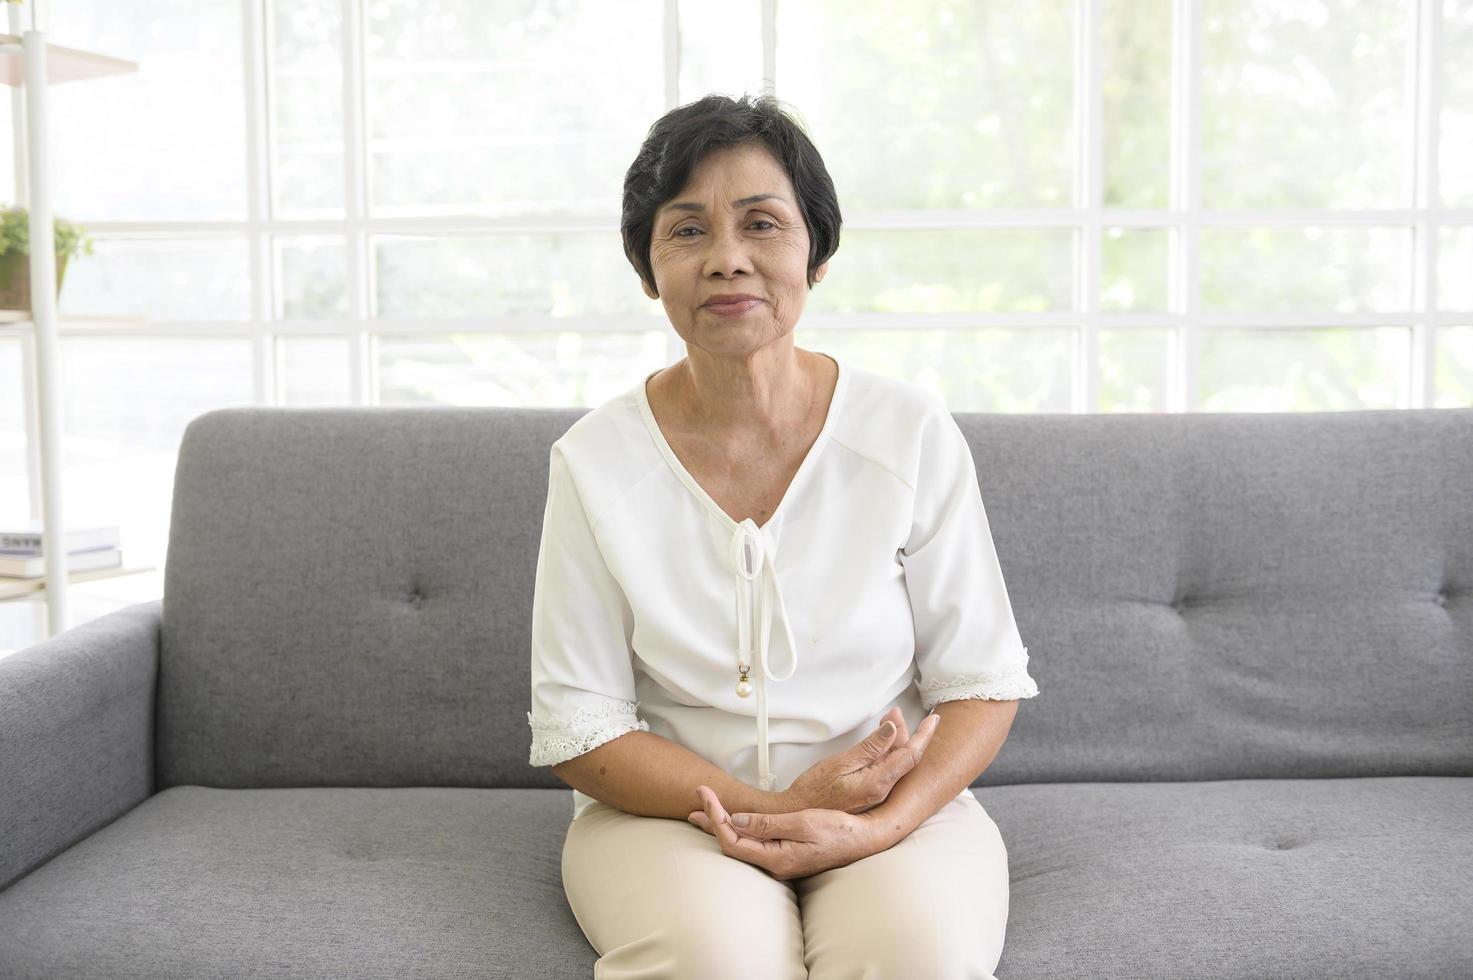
pixel 760 568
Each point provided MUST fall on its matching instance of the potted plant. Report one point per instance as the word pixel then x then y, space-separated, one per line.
pixel 15 255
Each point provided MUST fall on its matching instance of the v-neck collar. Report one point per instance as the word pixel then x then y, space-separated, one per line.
pixel 836 405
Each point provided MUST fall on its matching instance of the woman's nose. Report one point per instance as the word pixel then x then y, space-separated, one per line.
pixel 727 253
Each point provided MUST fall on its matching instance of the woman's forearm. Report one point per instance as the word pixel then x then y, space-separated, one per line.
pixel 648 775
pixel 967 740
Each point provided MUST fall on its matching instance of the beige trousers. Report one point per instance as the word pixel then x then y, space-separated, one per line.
pixel 657 898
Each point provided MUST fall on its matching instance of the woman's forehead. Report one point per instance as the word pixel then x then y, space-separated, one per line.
pixel 745 163
pixel 741 202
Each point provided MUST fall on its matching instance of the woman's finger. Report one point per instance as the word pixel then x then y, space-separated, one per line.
pixel 700 819
pixel 759 852
pixel 716 814
pixel 899 736
pixel 771 826
pixel 911 738
pixel 898 763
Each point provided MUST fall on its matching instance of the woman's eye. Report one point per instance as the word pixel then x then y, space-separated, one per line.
pixel 681 232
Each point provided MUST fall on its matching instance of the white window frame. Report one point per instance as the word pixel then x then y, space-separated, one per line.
pixel 1184 218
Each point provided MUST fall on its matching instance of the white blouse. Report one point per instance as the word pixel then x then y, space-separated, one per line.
pixel 874 583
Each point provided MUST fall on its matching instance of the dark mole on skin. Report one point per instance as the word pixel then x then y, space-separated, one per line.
pixel 602 770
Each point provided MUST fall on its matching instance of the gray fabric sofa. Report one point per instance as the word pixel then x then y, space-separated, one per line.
pixel 1253 635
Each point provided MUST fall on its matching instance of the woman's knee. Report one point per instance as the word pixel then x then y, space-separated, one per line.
pixel 659 898
pixel 728 949
pixel 738 923
pixel 936 905
pixel 713 947
pixel 913 946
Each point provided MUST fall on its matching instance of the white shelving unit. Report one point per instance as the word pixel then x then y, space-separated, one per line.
pixel 29 64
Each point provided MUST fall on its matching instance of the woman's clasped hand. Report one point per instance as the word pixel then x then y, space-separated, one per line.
pixel 827 825
pixel 861 777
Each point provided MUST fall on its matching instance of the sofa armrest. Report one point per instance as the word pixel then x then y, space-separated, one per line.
pixel 76 734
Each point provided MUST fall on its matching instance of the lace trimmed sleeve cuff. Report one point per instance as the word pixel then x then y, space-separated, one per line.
pixel 555 740
pixel 1009 684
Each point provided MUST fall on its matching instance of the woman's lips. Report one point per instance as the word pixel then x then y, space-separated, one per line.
pixel 731 309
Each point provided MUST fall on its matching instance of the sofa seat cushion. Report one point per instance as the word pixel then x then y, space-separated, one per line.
pixel 1235 878
pixel 1356 877
pixel 326 882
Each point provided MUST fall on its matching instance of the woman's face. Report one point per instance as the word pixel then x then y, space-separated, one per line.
pixel 711 239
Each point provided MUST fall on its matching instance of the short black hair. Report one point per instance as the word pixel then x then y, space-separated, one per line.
pixel 682 137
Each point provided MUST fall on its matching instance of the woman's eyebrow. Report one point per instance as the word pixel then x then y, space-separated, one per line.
pixel 696 206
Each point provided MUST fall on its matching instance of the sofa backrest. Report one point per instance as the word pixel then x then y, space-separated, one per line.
pixel 1204 596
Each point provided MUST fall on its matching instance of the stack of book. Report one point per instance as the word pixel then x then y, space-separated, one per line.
pixel 88 548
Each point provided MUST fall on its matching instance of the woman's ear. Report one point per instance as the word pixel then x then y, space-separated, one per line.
pixel 821 271
pixel 648 289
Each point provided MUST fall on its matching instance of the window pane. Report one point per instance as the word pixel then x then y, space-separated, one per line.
pixel 166 142
pixel 1283 82
pixel 166 279
pixel 545 370
pixel 720 48
pixel 14 495
pixel 312 276
pixel 1339 270
pixel 307 108
pixel 1135 38
pixel 7 151
pixel 489 105
pixel 941 105
pixel 1455 367
pixel 128 401
pixel 964 271
pixel 1134 367
pixel 1133 269
pixel 312 371
pixel 997 369
pixel 1455 146
pixel 1455 268
pixel 20 626
pixel 1325 369
pixel 551 274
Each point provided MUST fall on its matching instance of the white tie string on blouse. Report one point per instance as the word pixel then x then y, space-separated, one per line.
pixel 889 583
pixel 751 555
